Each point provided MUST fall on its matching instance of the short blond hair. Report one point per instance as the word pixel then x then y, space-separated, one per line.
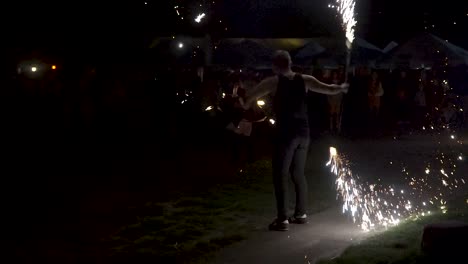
pixel 282 60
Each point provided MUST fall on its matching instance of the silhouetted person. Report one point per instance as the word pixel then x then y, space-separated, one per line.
pixel 403 89
pixel 334 106
pixel 420 106
pixel 290 91
pixel 374 94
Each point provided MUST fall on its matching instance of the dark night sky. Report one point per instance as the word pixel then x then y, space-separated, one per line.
pixel 131 22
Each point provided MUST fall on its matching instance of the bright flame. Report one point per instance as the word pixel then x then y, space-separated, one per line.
pixel 33 69
pixel 54 67
pixel 260 103
pixel 209 108
pixel 272 121
pixel 333 151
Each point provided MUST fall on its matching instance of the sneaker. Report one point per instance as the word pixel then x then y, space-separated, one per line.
pixel 279 225
pixel 298 219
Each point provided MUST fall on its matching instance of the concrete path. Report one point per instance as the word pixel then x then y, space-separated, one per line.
pixel 325 236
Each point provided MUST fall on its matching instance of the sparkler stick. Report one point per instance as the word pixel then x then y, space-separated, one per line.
pixel 345 9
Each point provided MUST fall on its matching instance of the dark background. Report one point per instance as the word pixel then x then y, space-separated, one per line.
pixel 119 24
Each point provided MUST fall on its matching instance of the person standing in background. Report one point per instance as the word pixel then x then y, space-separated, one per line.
pixel 420 105
pixel 403 88
pixel 241 127
pixel 374 93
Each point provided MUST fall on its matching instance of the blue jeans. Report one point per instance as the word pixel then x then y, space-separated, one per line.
pixel 289 158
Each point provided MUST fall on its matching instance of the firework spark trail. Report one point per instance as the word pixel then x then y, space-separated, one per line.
pixel 375 205
pixel 346 10
pixel 367 205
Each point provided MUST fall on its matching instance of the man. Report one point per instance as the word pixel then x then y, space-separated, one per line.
pixel 292 132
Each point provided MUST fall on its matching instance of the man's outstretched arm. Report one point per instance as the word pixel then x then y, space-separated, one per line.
pixel 264 88
pixel 314 85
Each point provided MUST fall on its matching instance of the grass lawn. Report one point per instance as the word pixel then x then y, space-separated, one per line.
pixel 400 244
pixel 193 227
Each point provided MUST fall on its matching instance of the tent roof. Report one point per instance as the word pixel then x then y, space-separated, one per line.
pixel 390 46
pixel 425 50
pixel 256 52
pixel 362 43
pixel 242 52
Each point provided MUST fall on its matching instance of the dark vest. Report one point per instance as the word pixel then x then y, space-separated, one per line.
pixel 290 107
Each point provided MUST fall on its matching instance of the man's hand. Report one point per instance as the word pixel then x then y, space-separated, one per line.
pixel 264 88
pixel 345 87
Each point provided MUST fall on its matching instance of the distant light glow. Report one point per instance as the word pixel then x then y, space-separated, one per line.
pixel 181 45
pixel 199 18
pixel 260 103
pixel 209 108
pixel 33 69
pixel 272 121
pixel 54 67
